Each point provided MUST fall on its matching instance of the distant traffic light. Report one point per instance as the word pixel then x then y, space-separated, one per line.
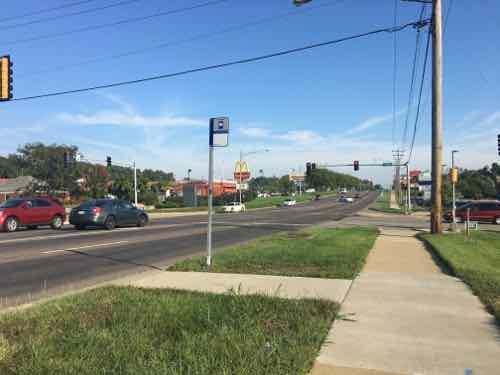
pixel 313 166
pixel 498 144
pixel 5 78
pixel 308 169
pixel 356 165
pixel 108 161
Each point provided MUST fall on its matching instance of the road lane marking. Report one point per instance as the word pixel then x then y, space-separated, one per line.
pixel 84 247
pixel 95 232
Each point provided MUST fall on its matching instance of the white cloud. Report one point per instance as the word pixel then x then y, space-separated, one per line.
pixel 255 132
pixel 490 119
pixel 373 121
pixel 118 118
pixel 299 136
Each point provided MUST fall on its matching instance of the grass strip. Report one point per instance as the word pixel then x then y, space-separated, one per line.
pixel 314 252
pixel 125 330
pixel 475 260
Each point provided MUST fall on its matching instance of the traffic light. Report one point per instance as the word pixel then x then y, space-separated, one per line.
pixel 66 159
pixel 108 161
pixel 5 78
pixel 308 169
pixel 498 144
pixel 454 175
pixel 313 166
pixel 356 165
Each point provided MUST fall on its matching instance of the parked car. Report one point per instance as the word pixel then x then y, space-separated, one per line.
pixel 289 202
pixel 107 213
pixel 344 199
pixel 482 211
pixel 235 207
pixel 31 212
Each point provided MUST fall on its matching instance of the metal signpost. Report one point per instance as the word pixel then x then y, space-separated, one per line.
pixel 218 137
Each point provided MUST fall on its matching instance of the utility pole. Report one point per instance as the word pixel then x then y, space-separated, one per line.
pixel 135 184
pixel 398 155
pixel 408 189
pixel 241 172
pixel 437 117
pixel 454 176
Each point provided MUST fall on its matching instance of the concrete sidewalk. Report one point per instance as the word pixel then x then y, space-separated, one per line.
pixel 409 318
pixel 280 286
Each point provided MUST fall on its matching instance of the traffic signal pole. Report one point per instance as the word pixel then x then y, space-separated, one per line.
pixel 437 118
pixel 135 184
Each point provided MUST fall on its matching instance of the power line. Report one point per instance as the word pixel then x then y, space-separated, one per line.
pixel 412 82
pixel 67 15
pixel 194 38
pixel 227 64
pixel 422 82
pixel 117 23
pixel 426 102
pixel 46 10
pixel 394 73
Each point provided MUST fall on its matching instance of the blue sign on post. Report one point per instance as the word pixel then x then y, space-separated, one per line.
pixel 219 132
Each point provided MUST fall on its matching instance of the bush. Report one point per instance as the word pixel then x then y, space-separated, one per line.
pixel 167 204
pixel 149 198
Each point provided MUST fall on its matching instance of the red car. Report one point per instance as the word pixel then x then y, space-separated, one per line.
pixel 484 211
pixel 31 212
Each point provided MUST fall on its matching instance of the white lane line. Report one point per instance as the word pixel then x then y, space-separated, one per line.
pixel 236 224
pixel 94 233
pixel 84 247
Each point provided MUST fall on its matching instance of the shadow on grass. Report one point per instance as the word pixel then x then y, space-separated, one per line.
pixel 447 269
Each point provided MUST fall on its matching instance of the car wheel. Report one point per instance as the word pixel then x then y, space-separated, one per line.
pixel 110 223
pixel 143 220
pixel 11 224
pixel 497 220
pixel 57 222
pixel 32 227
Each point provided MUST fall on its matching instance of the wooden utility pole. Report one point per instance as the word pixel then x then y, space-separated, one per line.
pixel 437 118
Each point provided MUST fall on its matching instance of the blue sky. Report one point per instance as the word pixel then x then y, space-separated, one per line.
pixel 332 104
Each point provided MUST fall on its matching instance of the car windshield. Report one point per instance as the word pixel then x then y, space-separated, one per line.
pixel 11 203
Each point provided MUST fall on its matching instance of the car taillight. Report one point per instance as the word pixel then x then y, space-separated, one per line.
pixel 97 210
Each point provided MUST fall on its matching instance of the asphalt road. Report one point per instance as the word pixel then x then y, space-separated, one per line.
pixel 38 263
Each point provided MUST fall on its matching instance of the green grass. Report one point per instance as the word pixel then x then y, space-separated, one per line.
pixel 382 204
pixel 124 330
pixel 328 253
pixel 474 259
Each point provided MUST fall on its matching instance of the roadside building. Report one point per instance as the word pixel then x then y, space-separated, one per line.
pixel 11 187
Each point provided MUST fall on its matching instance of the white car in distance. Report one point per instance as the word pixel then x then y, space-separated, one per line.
pixel 346 199
pixel 235 207
pixel 289 202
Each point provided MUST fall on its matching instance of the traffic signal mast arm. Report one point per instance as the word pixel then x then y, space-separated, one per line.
pixel 327 165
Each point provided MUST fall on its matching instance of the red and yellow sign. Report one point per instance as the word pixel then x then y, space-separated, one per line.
pixel 241 171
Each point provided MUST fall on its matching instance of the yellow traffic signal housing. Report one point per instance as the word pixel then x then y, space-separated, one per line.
pixel 5 78
pixel 454 175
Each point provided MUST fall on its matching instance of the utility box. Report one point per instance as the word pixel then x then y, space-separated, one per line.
pixel 190 195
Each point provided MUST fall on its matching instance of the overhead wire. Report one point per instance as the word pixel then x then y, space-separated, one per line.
pixel 416 123
pixel 67 15
pixel 422 82
pixel 46 10
pixel 116 23
pixel 222 65
pixel 394 74
pixel 412 80
pixel 193 38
